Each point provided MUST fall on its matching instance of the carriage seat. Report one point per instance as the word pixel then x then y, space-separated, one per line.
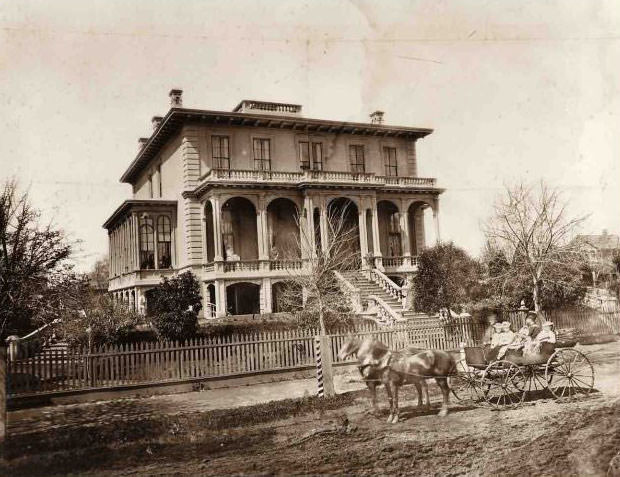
pixel 480 357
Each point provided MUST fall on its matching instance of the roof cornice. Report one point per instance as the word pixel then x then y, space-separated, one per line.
pixel 128 205
pixel 177 117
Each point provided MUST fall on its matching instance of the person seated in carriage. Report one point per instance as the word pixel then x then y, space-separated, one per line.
pixel 487 337
pixel 538 344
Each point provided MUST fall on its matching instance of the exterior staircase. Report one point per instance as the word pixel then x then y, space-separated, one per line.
pixel 381 287
pixel 368 287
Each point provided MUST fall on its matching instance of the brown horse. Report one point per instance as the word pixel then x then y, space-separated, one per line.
pixel 396 368
pixel 400 368
pixel 370 354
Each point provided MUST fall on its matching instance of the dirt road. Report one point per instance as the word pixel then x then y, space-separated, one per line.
pixel 543 437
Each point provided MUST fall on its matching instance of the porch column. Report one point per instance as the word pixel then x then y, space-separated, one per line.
pixel 262 231
pixel 266 303
pixel 375 236
pixel 216 203
pixel 220 298
pixel 436 220
pixel 363 233
pixel 404 230
pixel 324 233
pixel 306 229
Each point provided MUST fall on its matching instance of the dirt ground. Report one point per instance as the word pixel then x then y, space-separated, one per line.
pixel 542 437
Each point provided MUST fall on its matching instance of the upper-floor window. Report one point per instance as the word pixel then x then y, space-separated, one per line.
pixel 311 155
pixel 221 151
pixel 164 242
pixel 356 158
pixel 151 186
pixel 155 242
pixel 262 154
pixel 389 159
pixel 147 244
pixel 159 180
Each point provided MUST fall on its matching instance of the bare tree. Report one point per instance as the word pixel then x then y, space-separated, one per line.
pixel 29 252
pixel 532 229
pixel 314 289
pixel 99 274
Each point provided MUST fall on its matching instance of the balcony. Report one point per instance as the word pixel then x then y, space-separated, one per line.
pixel 252 266
pixel 400 264
pixel 308 178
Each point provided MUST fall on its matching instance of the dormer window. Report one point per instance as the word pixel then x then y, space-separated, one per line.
pixel 311 155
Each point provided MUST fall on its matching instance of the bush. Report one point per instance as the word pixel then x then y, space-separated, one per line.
pixel 175 304
pixel 109 321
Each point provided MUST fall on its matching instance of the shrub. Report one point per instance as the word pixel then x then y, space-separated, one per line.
pixel 175 304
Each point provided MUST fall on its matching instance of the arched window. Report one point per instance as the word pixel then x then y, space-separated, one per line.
pixel 147 243
pixel 164 257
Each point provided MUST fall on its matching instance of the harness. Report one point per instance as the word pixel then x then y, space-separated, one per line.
pixel 388 362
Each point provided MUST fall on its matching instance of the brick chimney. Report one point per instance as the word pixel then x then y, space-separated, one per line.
pixel 142 142
pixel 156 121
pixel 176 98
pixel 376 117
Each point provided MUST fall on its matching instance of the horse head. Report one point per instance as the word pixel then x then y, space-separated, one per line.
pixel 349 347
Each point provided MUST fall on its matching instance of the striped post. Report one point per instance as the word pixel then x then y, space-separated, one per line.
pixel 324 375
pixel 3 398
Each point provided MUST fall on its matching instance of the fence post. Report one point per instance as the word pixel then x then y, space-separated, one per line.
pixel 324 373
pixel 3 398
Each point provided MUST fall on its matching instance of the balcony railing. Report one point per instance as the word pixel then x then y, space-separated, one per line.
pixel 313 176
pixel 285 265
pixel 401 261
pixel 241 266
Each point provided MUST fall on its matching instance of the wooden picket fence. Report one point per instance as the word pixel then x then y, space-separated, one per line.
pixel 160 362
pixel 62 370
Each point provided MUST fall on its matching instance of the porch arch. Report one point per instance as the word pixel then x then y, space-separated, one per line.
pixel 243 298
pixel 283 229
pixel 239 233
pixel 390 242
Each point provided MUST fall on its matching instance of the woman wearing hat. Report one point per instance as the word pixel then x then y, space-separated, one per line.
pixel 547 335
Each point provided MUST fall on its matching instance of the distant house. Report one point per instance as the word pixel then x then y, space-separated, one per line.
pixel 600 250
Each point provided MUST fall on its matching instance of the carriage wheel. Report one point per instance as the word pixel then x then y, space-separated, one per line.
pixel 503 384
pixel 568 373
pixel 465 384
pixel 534 378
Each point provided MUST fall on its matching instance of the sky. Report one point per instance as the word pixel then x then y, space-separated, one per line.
pixel 516 90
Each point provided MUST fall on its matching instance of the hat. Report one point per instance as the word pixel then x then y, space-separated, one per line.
pixel 497 326
pixel 506 325
pixel 547 323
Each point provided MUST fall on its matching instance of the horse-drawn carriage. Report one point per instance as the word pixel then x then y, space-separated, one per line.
pixel 482 377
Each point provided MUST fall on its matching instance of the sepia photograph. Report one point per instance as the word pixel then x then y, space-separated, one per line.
pixel 309 237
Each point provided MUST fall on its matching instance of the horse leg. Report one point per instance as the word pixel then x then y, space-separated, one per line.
pixel 372 387
pixel 445 390
pixel 428 399
pixel 395 413
pixel 418 386
pixel 388 390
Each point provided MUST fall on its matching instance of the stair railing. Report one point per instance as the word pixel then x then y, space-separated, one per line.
pixel 385 314
pixel 353 294
pixel 389 286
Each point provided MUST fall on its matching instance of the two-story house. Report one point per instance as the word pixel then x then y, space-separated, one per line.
pixel 223 194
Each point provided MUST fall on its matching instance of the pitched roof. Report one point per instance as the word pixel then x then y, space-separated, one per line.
pixel 601 241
